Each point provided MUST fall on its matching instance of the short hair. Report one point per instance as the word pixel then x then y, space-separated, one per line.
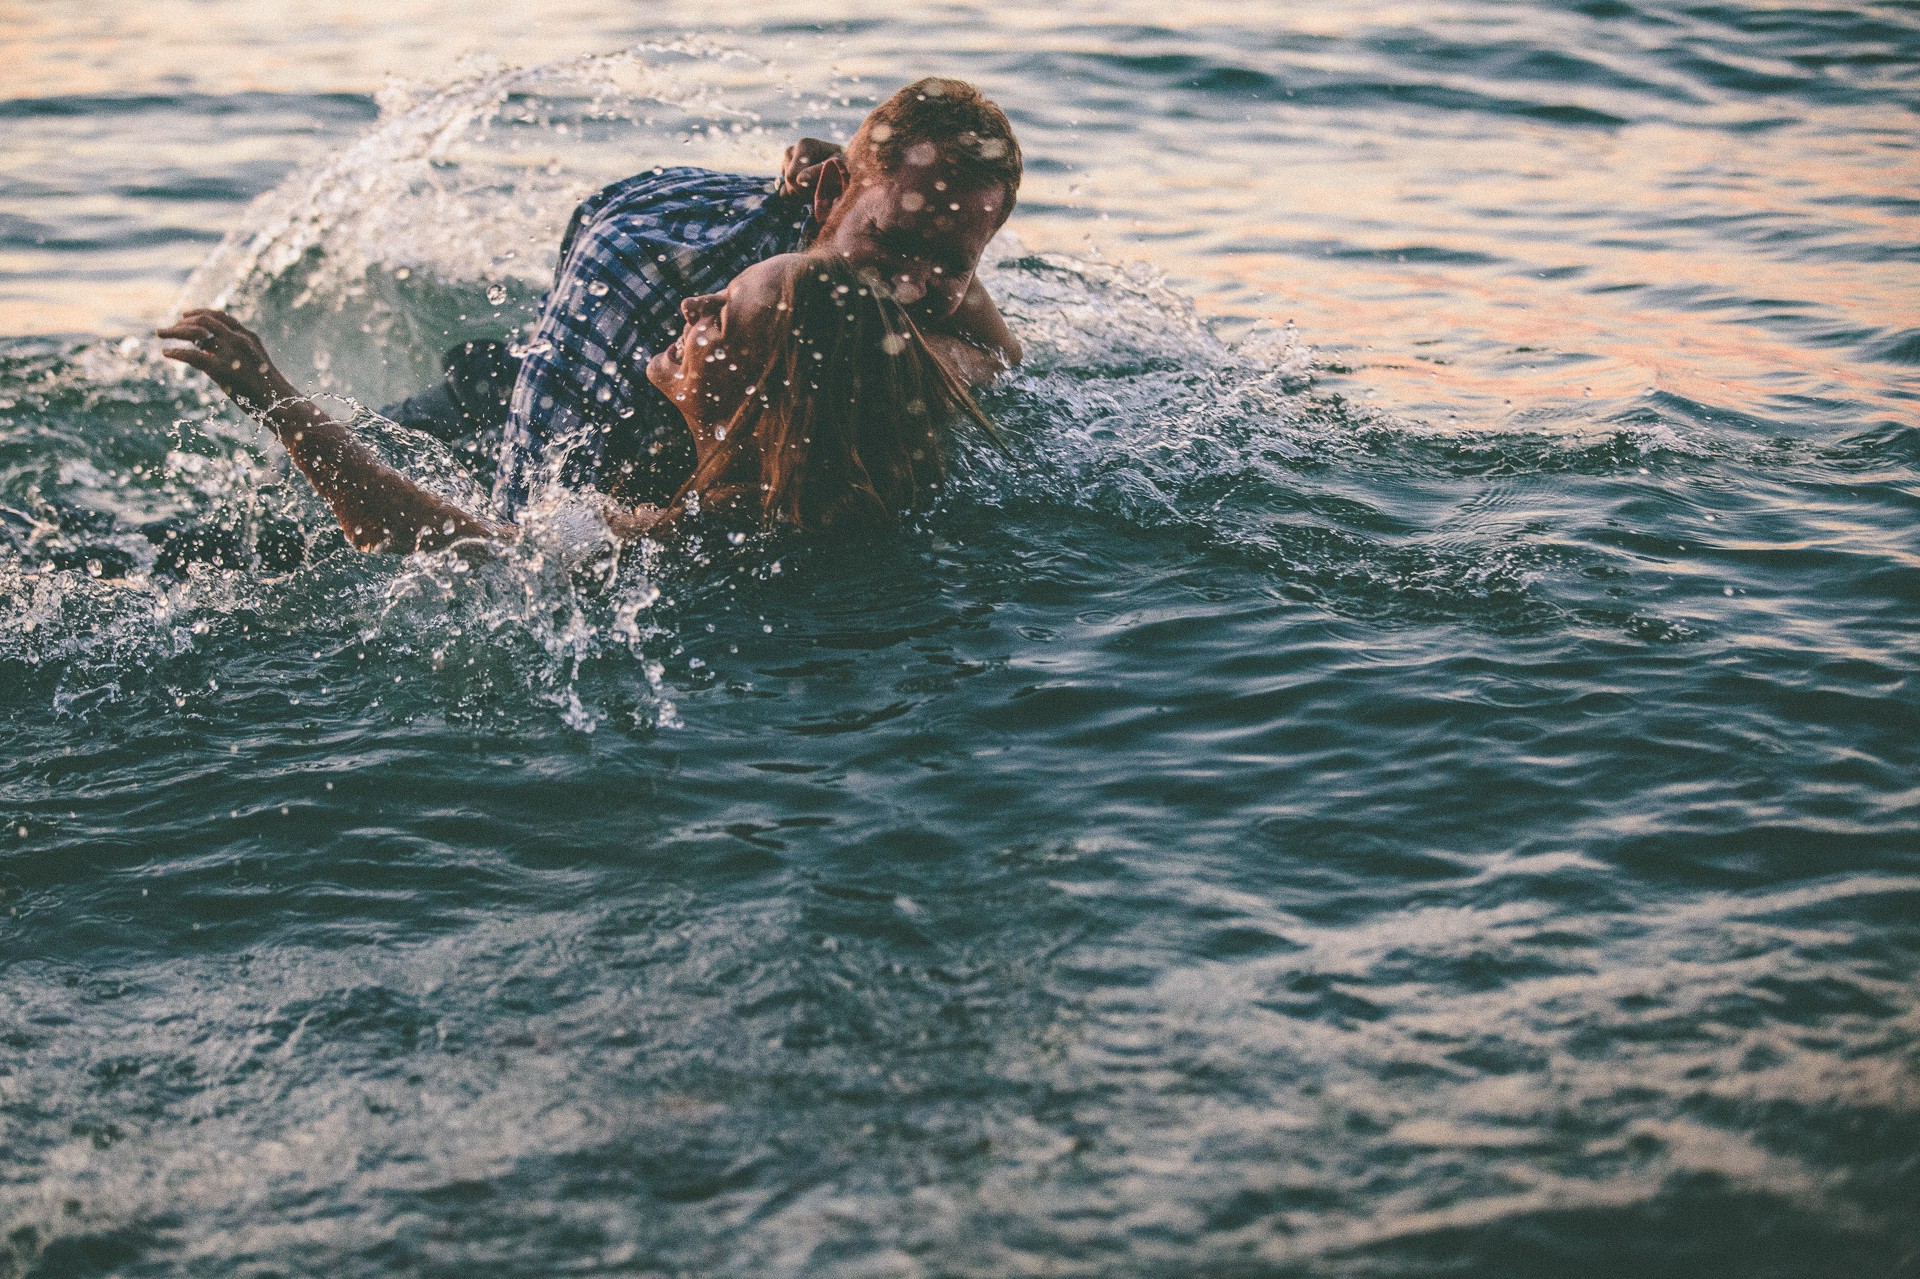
pixel 961 125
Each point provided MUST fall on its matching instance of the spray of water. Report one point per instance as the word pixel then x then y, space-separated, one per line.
pixel 441 222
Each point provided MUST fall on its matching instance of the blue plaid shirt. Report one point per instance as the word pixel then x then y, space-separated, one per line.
pixel 631 254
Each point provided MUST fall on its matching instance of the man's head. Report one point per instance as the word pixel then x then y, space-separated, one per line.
pixel 927 180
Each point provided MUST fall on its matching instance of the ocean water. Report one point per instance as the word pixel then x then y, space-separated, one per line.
pixel 1408 769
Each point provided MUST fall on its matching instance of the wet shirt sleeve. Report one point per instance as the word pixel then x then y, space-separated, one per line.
pixel 632 254
pixel 586 361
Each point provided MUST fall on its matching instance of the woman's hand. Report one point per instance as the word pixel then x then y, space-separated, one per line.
pixel 229 353
pixel 800 166
pixel 379 509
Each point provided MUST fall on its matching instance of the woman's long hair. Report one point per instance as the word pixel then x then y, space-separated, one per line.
pixel 846 423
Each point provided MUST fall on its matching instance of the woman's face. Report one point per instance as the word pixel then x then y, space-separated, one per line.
pixel 708 369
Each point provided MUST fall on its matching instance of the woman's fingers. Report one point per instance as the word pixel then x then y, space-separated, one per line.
pixel 800 164
pixel 193 357
pixel 202 344
pixel 215 331
pixel 223 368
pixel 185 333
pixel 214 319
pixel 199 327
pixel 213 328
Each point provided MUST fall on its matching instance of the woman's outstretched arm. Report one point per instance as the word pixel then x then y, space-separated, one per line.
pixel 378 508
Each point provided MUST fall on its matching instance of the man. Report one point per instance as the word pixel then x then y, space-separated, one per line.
pixel 921 188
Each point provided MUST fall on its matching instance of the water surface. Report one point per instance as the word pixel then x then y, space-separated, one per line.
pixel 1427 790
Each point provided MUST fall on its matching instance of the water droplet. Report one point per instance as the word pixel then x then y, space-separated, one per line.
pixel 497 294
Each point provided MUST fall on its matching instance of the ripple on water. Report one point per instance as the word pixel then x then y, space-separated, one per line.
pixel 1245 828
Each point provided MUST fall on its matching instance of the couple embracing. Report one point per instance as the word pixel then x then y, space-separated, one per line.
pixel 793 357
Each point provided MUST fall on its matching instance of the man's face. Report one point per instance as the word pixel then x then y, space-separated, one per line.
pixel 919 229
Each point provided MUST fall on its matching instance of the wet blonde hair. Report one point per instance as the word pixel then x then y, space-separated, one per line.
pixel 846 422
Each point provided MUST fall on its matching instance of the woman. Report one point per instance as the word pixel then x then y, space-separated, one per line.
pixel 812 399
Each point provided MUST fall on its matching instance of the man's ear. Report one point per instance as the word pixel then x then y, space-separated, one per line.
pixel 829 184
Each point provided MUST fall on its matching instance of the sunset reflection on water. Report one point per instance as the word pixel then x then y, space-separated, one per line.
pixel 1720 249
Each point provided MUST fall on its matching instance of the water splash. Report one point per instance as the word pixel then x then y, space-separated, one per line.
pixel 422 192
pixel 441 223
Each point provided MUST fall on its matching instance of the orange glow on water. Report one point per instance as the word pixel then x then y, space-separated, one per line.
pixel 1303 213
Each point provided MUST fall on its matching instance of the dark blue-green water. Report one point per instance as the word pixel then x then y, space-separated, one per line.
pixel 1430 792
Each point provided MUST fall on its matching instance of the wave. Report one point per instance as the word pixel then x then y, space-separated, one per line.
pixel 435 226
